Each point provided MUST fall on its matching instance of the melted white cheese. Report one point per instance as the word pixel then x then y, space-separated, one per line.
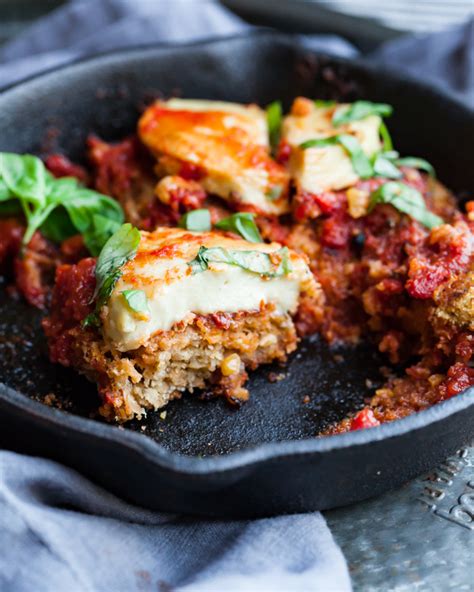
pixel 250 117
pixel 326 168
pixel 175 294
pixel 227 141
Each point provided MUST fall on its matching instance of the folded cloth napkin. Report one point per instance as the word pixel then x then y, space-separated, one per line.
pixel 61 533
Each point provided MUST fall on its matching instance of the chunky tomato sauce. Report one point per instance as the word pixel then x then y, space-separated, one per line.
pixel 72 301
pixel 380 272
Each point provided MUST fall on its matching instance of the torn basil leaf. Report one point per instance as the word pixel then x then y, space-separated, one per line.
pixel 61 207
pixel 274 119
pixel 387 143
pixel 359 159
pixel 25 178
pixel 417 163
pixel 406 199
pixel 242 223
pixel 384 167
pixel 252 261
pixel 196 220
pixel 120 248
pixel 360 110
pixel 136 300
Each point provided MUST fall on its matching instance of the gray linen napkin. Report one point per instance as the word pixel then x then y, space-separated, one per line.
pixel 61 533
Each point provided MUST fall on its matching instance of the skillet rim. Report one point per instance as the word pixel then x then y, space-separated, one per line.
pixel 296 39
pixel 149 449
pixel 195 466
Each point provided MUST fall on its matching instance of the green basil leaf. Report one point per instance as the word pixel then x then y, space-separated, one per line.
pixel 58 190
pixel 360 161
pixel 252 261
pixel 384 167
pixel 82 204
pixel 196 220
pixel 10 207
pixel 35 219
pixel 99 232
pixel 242 223
pixel 406 199
pixel 387 143
pixel 417 163
pixel 5 193
pixel 58 226
pixel 25 177
pixel 60 207
pixel 323 103
pixel 391 155
pixel 274 118
pixel 136 300
pixel 360 110
pixel 320 142
pixel 121 247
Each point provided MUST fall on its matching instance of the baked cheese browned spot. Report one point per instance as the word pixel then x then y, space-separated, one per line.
pixel 222 145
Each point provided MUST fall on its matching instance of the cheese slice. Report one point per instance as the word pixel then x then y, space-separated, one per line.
pixel 249 118
pixel 328 168
pixel 175 293
pixel 227 142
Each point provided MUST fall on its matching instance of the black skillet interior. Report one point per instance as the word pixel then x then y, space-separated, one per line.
pixel 318 385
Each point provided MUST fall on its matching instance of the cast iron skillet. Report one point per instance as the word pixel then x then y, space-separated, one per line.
pixel 204 457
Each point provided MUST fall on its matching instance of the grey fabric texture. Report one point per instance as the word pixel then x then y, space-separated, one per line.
pixel 444 59
pixel 61 533
pixel 58 531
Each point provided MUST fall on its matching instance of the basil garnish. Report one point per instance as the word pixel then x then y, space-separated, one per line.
pixel 136 300
pixel 417 163
pixel 242 223
pixel 359 159
pixel 253 261
pixel 384 167
pixel 360 110
pixel 121 247
pixel 406 199
pixel 274 118
pixel 386 164
pixel 387 144
pixel 58 207
pixel 196 220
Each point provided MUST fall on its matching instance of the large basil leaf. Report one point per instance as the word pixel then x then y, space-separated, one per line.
pixel 196 220
pixel 25 177
pixel 120 248
pixel 59 207
pixel 252 261
pixel 242 223
pixel 406 199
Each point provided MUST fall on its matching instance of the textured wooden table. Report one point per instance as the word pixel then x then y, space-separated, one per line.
pixel 419 538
